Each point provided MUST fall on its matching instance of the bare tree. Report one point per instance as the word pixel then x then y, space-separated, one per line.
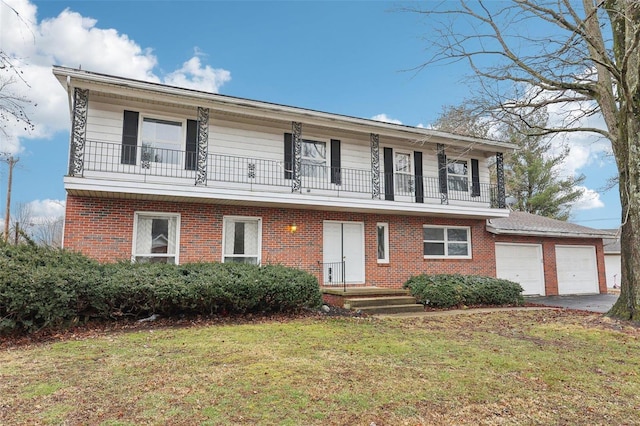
pixel 579 59
pixel 48 231
pixel 461 120
pixel 12 105
pixel 21 223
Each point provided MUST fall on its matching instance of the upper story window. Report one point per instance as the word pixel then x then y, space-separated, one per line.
pixel 402 170
pixel 314 159
pixel 156 237
pixel 161 140
pixel 441 241
pixel 458 175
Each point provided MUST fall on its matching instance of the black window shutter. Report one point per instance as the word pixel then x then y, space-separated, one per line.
pixel 288 156
pixel 129 137
pixel 388 174
pixel 191 151
pixel 417 160
pixel 442 172
pixel 335 162
pixel 475 178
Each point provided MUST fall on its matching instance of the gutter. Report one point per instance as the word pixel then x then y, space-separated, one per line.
pixel 534 233
pixel 217 99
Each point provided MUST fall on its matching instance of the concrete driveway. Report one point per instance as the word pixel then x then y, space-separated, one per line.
pixel 590 302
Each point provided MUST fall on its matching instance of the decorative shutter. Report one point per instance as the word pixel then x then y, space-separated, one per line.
pixel 288 156
pixel 417 166
pixel 442 170
pixel 191 151
pixel 388 174
pixel 129 137
pixel 335 162
pixel 475 178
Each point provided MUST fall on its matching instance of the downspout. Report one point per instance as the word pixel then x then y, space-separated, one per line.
pixel 70 98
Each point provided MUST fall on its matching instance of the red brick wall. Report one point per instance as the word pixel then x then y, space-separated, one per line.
pixel 549 257
pixel 102 228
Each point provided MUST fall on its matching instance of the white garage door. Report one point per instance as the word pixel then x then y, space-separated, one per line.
pixel 521 263
pixel 613 266
pixel 577 269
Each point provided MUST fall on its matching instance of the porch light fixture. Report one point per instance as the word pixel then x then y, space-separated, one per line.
pixel 293 228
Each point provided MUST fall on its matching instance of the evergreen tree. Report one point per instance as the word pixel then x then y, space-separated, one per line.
pixel 533 171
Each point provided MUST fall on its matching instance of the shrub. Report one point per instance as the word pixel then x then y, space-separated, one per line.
pixel 449 290
pixel 45 287
pixel 203 288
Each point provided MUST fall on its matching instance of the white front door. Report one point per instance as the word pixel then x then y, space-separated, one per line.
pixel 343 241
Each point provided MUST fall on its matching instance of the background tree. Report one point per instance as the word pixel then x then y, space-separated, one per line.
pixel 21 223
pixel 581 57
pixel 12 105
pixel 533 175
pixel 46 231
pixel 461 120
pixel 533 172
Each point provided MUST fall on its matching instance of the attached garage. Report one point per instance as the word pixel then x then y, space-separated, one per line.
pixel 521 263
pixel 612 260
pixel 547 256
pixel 577 269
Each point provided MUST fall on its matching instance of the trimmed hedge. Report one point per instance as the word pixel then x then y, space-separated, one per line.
pixel 44 287
pixel 449 290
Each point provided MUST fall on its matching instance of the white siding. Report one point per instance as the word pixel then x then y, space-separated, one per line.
pixel 263 139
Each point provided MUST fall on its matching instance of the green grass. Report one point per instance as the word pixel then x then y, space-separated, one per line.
pixel 529 367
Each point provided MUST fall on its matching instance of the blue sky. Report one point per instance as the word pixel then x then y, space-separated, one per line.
pixel 350 58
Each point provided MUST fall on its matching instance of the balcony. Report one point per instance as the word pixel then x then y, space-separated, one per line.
pixel 115 162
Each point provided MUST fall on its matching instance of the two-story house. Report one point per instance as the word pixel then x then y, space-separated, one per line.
pixel 165 174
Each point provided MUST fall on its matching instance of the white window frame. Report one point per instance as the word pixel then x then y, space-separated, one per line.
pixel 403 178
pixel 455 175
pixel 385 226
pixel 183 136
pixel 155 215
pixel 226 219
pixel 446 242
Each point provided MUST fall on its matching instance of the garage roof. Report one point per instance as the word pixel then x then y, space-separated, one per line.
pixel 522 223
pixel 612 244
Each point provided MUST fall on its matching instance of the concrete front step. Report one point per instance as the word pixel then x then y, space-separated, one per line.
pixel 372 300
pixel 391 309
pixel 363 302
pixel 364 291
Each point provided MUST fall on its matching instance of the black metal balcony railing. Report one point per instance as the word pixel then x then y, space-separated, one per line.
pixel 147 161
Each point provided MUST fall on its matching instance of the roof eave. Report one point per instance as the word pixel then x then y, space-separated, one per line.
pixel 69 76
pixel 496 231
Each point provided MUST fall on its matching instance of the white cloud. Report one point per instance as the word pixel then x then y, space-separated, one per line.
pixel 385 119
pixel 73 40
pixel 584 148
pixel 590 200
pixel 193 75
pixel 43 210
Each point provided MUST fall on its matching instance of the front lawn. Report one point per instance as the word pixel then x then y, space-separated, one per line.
pixel 524 367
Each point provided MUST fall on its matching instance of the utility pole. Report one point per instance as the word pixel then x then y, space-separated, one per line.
pixel 11 162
